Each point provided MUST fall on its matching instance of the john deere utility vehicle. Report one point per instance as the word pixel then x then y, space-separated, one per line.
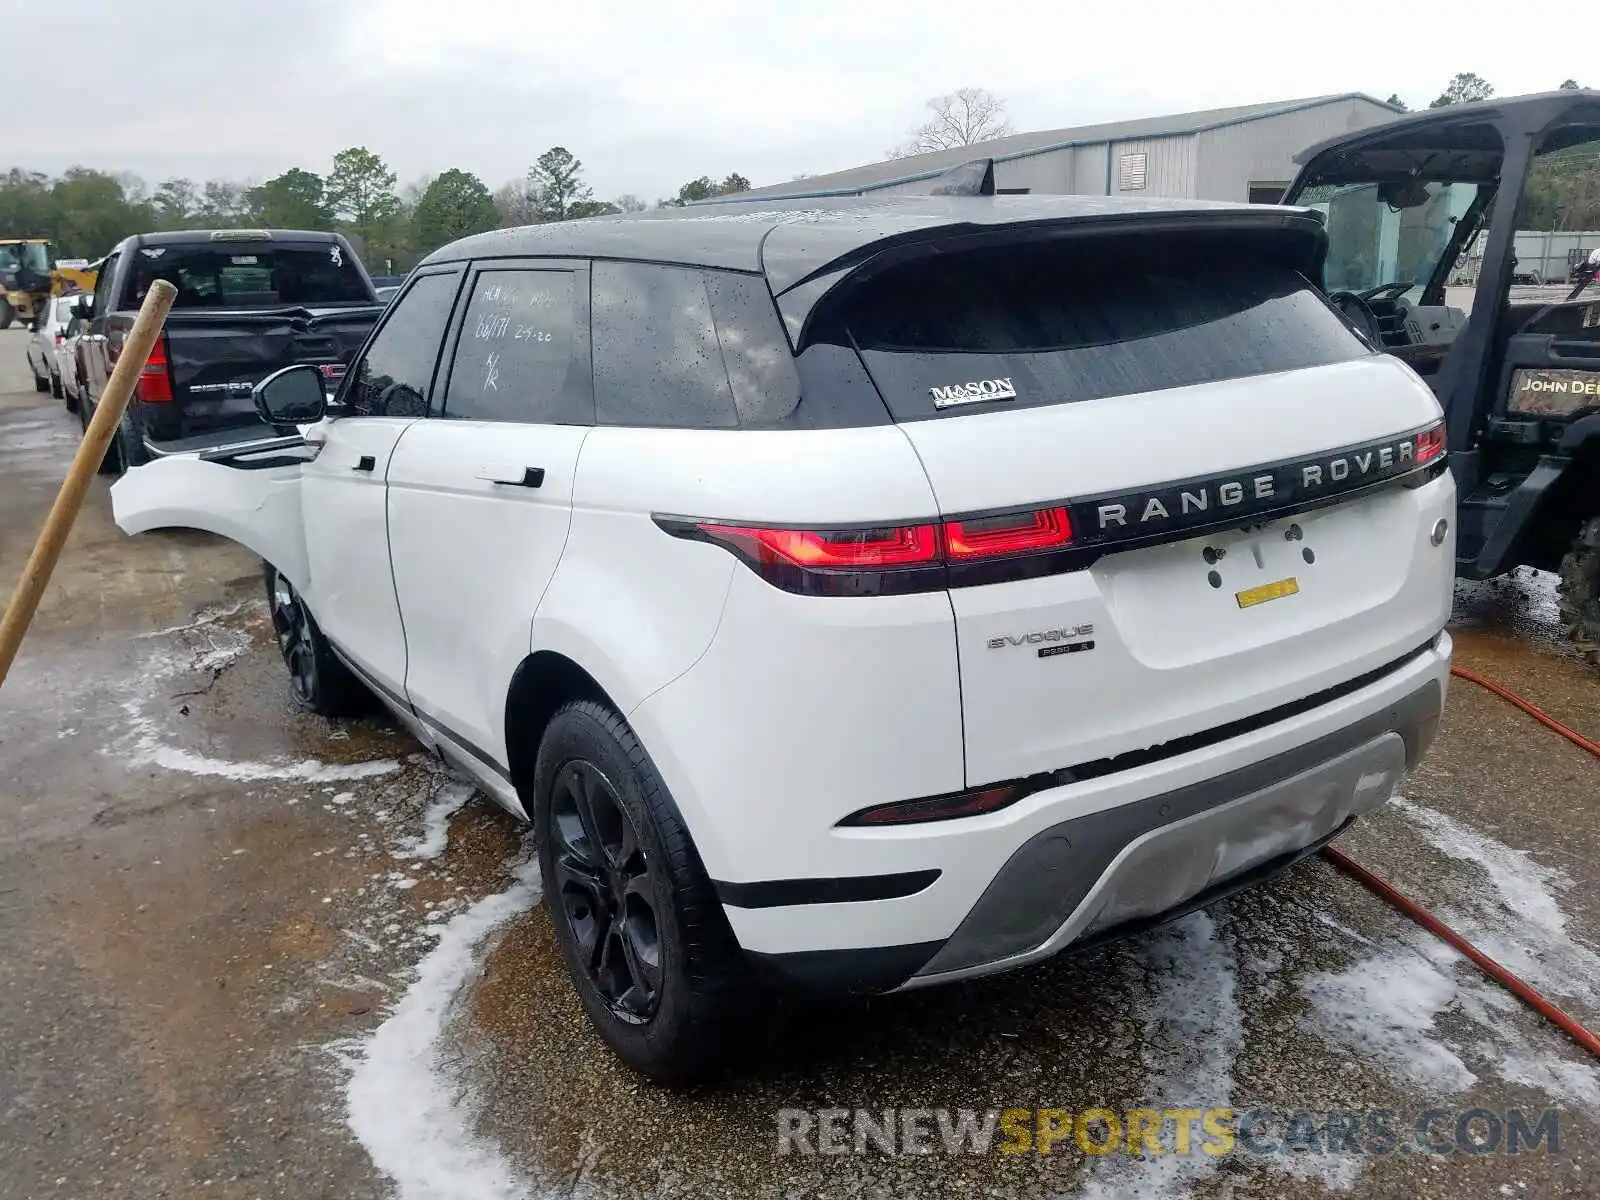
pixel 1516 369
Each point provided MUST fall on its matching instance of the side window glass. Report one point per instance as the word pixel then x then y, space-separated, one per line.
pixel 518 356
pixel 656 357
pixel 393 376
pixel 755 351
pixel 102 286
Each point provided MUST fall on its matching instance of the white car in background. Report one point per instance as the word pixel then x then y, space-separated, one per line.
pixel 859 595
pixel 44 346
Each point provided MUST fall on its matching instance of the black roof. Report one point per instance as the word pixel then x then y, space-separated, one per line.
pixel 791 240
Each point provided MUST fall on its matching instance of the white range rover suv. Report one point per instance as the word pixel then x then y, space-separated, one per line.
pixel 864 594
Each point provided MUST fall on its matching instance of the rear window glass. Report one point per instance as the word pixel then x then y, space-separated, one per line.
pixel 250 276
pixel 1077 321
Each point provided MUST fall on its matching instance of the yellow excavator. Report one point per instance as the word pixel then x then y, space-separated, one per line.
pixel 30 276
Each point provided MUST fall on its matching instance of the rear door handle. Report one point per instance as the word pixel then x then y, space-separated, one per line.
pixel 528 477
pixel 365 463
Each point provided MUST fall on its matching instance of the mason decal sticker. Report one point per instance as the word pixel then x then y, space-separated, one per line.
pixel 979 391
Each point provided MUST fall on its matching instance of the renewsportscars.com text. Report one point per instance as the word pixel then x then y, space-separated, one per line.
pixel 1164 1131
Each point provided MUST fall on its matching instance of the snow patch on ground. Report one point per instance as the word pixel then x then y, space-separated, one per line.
pixel 311 770
pixel 213 647
pixel 1383 1007
pixel 1519 923
pixel 411 1118
pixel 1192 1034
pixel 449 796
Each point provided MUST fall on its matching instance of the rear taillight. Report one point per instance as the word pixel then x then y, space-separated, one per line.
pixel 1430 444
pixel 1013 533
pixel 59 339
pixel 155 379
pixel 849 549
pixel 891 559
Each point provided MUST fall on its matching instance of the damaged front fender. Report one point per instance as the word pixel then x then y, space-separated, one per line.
pixel 258 508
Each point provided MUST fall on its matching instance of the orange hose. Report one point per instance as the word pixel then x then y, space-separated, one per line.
pixel 1561 1020
pixel 1544 718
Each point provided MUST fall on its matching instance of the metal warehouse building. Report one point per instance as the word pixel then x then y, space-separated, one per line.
pixel 1244 153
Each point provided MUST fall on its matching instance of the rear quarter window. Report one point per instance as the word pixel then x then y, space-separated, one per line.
pixel 1084 320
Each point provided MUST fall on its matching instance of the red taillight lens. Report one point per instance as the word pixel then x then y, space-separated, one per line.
pixel 1430 444
pixel 853 549
pixel 1015 533
pixel 891 558
pixel 60 339
pixel 155 380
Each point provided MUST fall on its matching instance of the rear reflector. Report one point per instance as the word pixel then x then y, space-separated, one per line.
pixel 948 808
pixel 155 380
pixel 1430 444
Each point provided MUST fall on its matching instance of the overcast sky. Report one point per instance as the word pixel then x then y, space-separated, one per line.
pixel 649 95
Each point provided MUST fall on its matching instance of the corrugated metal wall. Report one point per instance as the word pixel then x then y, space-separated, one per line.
pixel 1233 157
pixel 1168 167
pixel 1217 165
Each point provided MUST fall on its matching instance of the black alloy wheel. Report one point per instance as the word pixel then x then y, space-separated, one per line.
pixel 606 889
pixel 292 623
pixel 317 678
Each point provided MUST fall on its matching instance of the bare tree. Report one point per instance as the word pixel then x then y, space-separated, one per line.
pixel 961 118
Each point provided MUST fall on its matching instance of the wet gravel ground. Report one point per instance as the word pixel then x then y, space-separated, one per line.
pixel 252 953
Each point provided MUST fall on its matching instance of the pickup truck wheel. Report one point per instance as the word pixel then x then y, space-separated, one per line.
pixel 56 390
pixel 111 462
pixel 130 441
pixel 318 680
pixel 41 384
pixel 7 314
pixel 637 920
pixel 1579 590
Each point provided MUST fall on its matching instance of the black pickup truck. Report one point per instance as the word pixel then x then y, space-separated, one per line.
pixel 249 301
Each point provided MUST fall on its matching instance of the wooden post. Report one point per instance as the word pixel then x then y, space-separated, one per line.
pixel 136 349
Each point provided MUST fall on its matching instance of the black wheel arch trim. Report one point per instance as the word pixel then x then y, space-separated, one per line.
pixel 848 889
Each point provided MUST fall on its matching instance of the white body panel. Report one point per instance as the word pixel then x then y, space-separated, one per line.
pixel 350 588
pixel 969 852
pixel 472 557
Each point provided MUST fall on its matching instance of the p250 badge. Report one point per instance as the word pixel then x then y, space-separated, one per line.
pixel 1068 639
pixel 979 391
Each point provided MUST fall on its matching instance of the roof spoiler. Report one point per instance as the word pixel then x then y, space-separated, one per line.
pixel 975 178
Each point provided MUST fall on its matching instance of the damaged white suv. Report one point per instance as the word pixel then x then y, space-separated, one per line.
pixel 870 594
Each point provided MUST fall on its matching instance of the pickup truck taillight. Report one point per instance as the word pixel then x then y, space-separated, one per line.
pixel 155 380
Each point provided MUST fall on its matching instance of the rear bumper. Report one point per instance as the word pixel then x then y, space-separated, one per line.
pixel 1124 865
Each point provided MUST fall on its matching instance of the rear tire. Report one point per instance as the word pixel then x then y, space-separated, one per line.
pixel 1579 591
pixel 56 390
pixel 638 921
pixel 7 314
pixel 130 441
pixel 40 384
pixel 317 679
pixel 111 461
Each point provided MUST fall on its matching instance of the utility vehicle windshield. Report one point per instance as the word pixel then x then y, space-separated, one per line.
pixel 29 256
pixel 1382 234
